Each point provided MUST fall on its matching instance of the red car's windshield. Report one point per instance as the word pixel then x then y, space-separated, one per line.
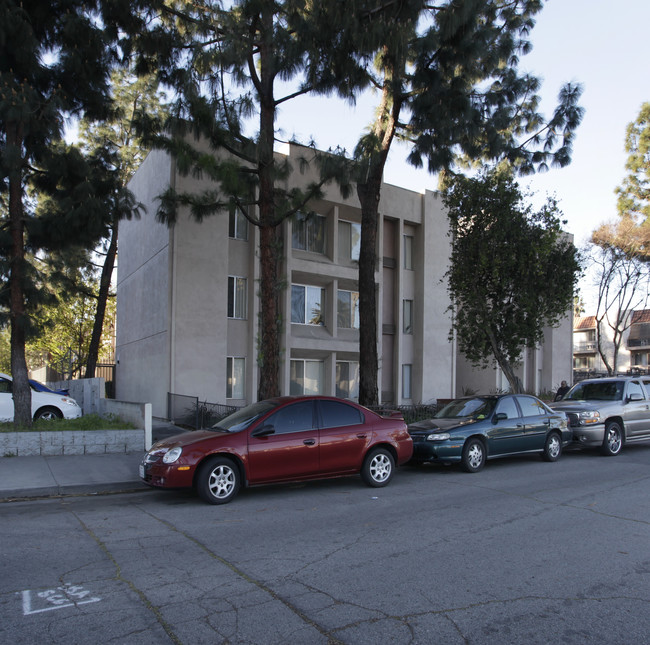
pixel 242 419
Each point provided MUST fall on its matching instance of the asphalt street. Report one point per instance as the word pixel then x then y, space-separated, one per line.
pixel 523 552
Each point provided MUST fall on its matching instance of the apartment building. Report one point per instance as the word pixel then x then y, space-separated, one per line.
pixel 638 340
pixel 187 312
pixel 634 348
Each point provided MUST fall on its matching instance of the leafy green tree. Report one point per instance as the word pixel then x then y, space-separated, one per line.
pixel 512 270
pixel 631 233
pixel 67 328
pixel 54 63
pixel 132 96
pixel 634 194
pixel 448 81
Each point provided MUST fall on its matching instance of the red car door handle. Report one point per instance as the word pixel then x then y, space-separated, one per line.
pixel 361 436
pixel 309 442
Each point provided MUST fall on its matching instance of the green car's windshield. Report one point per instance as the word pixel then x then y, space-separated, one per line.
pixel 241 419
pixel 474 408
pixel 598 391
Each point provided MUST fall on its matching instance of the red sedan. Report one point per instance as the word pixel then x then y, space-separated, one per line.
pixel 280 440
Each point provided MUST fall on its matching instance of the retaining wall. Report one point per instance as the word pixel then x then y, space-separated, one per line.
pixel 71 442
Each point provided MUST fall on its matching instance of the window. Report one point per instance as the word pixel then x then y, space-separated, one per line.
pixel 634 387
pixel 308 233
pixel 347 379
pixel 408 252
pixel 296 417
pixel 508 407
pixel 237 224
pixel 530 407
pixel 307 304
pixel 407 318
pixel 406 381
pixel 306 377
pixel 349 241
pixel 348 310
pixel 235 378
pixel 236 297
pixel 336 414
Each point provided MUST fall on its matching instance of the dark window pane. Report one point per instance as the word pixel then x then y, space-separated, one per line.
pixel 336 414
pixel 297 304
pixel 296 417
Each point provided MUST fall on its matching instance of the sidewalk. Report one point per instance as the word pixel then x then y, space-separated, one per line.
pixel 29 477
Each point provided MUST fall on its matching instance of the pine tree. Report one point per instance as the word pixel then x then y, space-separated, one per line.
pixel 54 63
pixel 449 85
pixel 233 68
pixel 631 232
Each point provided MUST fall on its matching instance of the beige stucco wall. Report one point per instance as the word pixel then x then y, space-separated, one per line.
pixel 174 335
pixel 143 293
pixel 437 355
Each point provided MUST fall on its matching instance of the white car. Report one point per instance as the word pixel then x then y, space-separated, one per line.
pixel 45 405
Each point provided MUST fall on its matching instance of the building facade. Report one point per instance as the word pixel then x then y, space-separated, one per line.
pixel 187 314
pixel 633 352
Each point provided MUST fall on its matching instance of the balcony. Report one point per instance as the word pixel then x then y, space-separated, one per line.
pixel 638 342
pixel 585 347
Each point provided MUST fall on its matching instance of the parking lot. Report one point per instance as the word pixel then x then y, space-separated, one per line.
pixel 522 552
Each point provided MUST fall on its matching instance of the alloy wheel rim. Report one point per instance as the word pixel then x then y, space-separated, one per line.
pixel 380 468
pixel 614 441
pixel 222 481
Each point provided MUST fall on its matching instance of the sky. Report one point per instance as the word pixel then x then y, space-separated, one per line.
pixel 605 46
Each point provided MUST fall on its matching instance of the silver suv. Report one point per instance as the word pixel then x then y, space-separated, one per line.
pixel 608 412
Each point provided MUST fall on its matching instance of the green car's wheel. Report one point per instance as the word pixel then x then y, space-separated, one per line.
pixel 473 458
pixel 553 447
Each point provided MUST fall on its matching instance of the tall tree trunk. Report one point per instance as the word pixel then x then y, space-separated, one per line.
pixel 102 299
pixel 601 350
pixel 506 367
pixel 270 241
pixel 22 394
pixel 368 349
pixel 369 193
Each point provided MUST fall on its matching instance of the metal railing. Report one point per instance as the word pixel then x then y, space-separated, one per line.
pixel 189 412
pixel 411 413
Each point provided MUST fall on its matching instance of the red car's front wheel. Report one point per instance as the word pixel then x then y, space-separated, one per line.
pixel 218 480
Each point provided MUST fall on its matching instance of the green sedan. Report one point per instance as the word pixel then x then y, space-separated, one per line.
pixel 473 429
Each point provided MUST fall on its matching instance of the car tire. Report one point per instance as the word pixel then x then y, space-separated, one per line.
pixel 473 458
pixel 48 414
pixel 378 468
pixel 218 480
pixel 552 447
pixel 613 441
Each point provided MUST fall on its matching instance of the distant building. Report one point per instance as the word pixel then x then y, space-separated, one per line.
pixel 187 305
pixel 585 348
pixel 638 340
pixel 634 350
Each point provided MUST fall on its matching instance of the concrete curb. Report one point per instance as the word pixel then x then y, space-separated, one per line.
pixel 78 490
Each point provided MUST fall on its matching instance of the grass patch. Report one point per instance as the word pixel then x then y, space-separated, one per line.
pixel 87 423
